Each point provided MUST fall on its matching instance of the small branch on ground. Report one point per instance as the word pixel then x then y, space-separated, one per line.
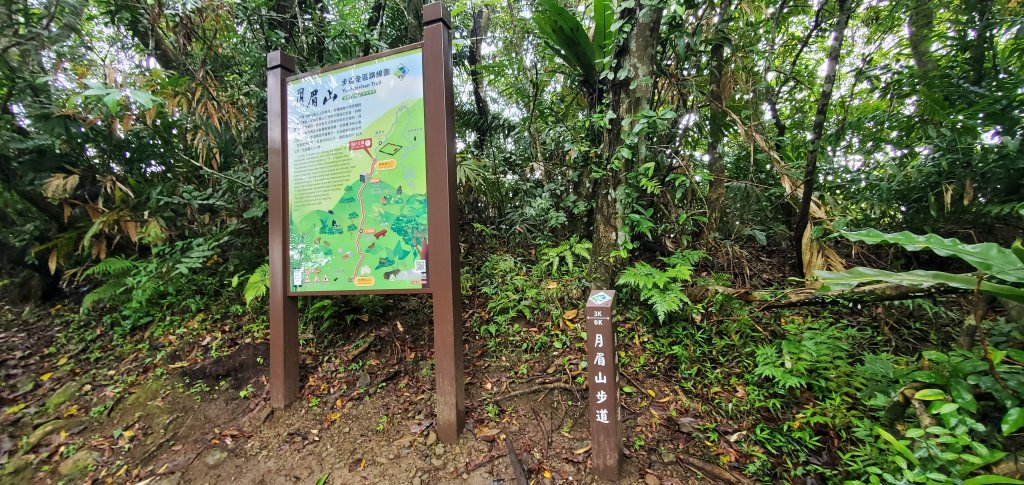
pixel 771 300
pixel 711 470
pixel 483 461
pixel 362 348
pixel 542 387
pixel 517 466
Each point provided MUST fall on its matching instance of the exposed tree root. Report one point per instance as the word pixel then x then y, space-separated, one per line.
pixel 542 387
pixel 712 470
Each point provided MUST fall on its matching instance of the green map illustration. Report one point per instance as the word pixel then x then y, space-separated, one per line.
pixel 374 236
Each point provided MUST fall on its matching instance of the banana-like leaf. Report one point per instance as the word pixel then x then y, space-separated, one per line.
pixel 564 35
pixel 838 281
pixel 988 257
pixel 604 17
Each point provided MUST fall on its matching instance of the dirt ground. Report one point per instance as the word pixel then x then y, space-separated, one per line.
pixel 365 415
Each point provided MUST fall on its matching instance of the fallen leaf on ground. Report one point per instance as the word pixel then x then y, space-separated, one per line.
pixel 487 434
pixel 15 408
pixel 581 451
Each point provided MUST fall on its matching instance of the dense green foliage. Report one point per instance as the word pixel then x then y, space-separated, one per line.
pixel 669 148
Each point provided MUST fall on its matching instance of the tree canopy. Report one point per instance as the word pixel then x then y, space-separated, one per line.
pixel 612 143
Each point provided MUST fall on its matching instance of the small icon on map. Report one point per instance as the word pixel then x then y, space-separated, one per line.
pixel 600 298
pixel 402 71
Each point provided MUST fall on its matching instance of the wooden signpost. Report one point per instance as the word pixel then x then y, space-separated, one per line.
pixel 362 182
pixel 603 375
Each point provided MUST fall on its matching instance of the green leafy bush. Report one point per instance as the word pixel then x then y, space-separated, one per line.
pixel 663 289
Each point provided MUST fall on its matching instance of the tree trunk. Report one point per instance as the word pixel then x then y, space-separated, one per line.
pixel 980 15
pixel 373 26
pixel 481 19
pixel 144 26
pixel 919 32
pixel 716 127
pixel 801 237
pixel 629 97
pixel 413 20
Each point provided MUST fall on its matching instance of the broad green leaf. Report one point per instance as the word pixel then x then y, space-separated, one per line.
pixel 961 392
pixel 1012 421
pixel 935 356
pixel 996 355
pixel 947 408
pixel 900 447
pixel 929 394
pixel 838 281
pixel 112 100
pixel 1018 250
pixel 986 479
pixel 604 15
pixel 143 97
pixel 564 34
pixel 928 376
pixel 1016 355
pixel 988 257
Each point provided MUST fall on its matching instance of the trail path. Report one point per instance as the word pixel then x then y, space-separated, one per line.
pixel 362 212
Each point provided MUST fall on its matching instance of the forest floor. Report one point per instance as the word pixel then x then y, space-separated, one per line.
pixel 191 406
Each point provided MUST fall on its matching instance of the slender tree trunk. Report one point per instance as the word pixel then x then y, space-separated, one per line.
pixel 284 20
pixel 716 127
pixel 144 26
pixel 981 13
pixel 413 20
pixel 919 31
pixel 481 19
pixel 629 97
pixel 811 170
pixel 319 31
pixel 373 26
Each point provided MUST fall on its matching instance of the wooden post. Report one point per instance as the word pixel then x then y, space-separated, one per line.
pixel 443 221
pixel 603 375
pixel 284 309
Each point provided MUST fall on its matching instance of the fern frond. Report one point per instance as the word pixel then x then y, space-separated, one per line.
pixel 103 293
pixel 257 284
pixel 112 266
pixel 641 276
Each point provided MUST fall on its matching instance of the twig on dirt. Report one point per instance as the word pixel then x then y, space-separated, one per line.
pixel 362 348
pixel 711 470
pixel 483 461
pixel 384 377
pixel 517 466
pixel 631 380
pixel 545 431
pixel 542 387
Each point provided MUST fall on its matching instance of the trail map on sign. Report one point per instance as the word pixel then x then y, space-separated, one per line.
pixel 357 177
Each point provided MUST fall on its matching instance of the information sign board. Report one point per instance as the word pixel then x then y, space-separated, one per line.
pixel 357 189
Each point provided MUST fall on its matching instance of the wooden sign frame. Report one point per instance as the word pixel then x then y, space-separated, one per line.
pixel 442 222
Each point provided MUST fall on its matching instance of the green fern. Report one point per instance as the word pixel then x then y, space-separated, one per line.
pixel 567 252
pixel 663 289
pixel 107 291
pixel 112 266
pixel 257 285
pixel 116 272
